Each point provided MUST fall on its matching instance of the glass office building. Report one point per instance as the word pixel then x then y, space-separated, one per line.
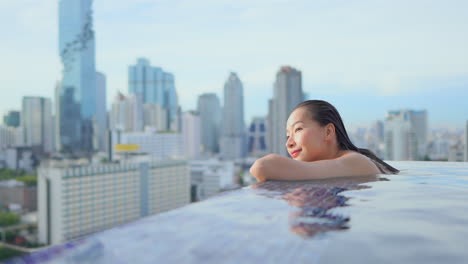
pixel 154 86
pixel 77 106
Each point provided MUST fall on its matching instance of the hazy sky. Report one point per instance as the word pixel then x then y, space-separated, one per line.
pixel 366 57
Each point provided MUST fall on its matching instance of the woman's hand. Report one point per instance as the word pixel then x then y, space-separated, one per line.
pixel 260 167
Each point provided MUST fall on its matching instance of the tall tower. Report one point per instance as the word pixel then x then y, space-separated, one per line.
pixel 209 109
pixel 101 111
pixel 233 129
pixel 287 94
pixel 77 93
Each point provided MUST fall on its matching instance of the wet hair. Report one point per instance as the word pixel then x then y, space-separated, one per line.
pixel 325 113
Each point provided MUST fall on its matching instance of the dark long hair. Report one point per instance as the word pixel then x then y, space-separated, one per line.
pixel 325 113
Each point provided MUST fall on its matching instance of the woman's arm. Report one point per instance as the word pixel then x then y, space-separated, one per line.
pixel 275 167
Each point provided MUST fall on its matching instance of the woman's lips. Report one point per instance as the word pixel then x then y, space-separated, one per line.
pixel 295 153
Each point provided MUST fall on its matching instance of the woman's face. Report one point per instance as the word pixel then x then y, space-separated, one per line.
pixel 305 137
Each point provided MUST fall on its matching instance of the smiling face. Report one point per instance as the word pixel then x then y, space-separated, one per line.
pixel 306 139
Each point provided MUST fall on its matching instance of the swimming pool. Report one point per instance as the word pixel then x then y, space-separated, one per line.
pixel 418 216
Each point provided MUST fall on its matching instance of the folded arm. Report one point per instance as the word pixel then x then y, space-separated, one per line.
pixel 275 167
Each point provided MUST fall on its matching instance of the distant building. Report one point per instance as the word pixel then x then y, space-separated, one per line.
pixel 22 157
pixel 36 122
pixel 12 119
pixel 171 103
pixel 191 133
pixel 456 152
pixel 75 202
pixel 158 145
pixel 155 116
pixel 127 113
pixel 101 111
pixel 77 92
pixel 155 86
pixel 210 112
pixel 379 131
pixel 233 128
pixel 438 149
pixel 15 192
pixel 256 137
pixel 208 177
pixel 406 135
pixel 375 139
pixel 287 94
pixel 11 136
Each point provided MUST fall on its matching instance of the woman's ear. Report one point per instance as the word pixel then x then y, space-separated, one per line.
pixel 330 131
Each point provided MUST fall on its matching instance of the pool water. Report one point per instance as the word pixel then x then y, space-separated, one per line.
pixel 417 216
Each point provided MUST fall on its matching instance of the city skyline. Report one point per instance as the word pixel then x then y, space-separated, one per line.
pixel 418 62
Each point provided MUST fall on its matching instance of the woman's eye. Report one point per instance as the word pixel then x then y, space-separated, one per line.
pixel 297 129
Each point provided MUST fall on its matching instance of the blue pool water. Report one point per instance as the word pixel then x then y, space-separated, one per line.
pixel 418 216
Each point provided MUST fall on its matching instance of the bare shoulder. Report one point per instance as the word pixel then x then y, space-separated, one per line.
pixel 358 163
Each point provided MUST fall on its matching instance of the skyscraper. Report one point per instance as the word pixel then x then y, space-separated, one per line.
pixel 155 87
pixel 77 93
pixel 233 128
pixel 170 101
pixel 287 94
pixel 101 110
pixel 36 122
pixel 405 135
pixel 210 119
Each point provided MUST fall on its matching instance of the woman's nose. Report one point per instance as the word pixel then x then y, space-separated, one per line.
pixel 289 142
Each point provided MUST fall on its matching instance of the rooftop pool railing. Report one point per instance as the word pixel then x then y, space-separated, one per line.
pixel 417 216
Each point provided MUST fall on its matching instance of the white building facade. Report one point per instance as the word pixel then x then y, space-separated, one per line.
pixel 36 122
pixel 126 113
pixel 158 145
pixel 406 135
pixel 11 136
pixel 191 134
pixel 210 176
pixel 74 202
pixel 155 116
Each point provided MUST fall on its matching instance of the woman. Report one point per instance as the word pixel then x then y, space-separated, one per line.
pixel 320 148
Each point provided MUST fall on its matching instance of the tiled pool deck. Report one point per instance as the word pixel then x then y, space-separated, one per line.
pixel 418 216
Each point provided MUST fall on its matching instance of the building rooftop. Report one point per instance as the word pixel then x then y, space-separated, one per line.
pixel 418 216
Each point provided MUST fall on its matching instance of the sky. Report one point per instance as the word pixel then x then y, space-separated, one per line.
pixel 365 57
